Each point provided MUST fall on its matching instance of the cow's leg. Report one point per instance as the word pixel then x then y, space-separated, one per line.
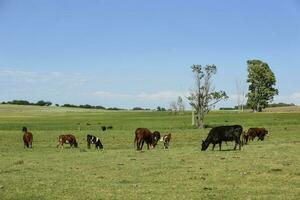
pixel 220 146
pixel 138 144
pixel 240 144
pixel 213 146
pixel 142 145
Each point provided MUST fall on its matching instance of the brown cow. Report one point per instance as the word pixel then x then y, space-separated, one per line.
pixel 67 139
pixel 166 140
pixel 27 138
pixel 144 135
pixel 252 133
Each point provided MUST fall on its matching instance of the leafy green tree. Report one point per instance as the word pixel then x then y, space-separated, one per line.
pixel 203 98
pixel 261 81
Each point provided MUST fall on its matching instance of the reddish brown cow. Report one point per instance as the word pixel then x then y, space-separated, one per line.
pixel 67 139
pixel 27 138
pixel 252 133
pixel 143 135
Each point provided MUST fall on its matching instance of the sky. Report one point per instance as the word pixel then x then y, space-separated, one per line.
pixel 138 52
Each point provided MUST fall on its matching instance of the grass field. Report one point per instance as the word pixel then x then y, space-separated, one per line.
pixel 262 170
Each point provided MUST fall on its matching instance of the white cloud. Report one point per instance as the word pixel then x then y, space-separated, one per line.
pixel 109 95
pixel 296 95
pixel 38 77
pixel 163 96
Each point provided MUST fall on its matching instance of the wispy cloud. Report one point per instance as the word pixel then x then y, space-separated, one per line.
pixel 164 96
pixel 42 77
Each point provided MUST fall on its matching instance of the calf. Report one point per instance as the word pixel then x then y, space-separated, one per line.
pixel 221 134
pixel 27 138
pixel 67 139
pixel 93 140
pixel 143 135
pixel 260 133
pixel 156 138
pixel 103 128
pixel 166 140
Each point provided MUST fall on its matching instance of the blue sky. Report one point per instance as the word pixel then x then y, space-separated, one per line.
pixel 138 52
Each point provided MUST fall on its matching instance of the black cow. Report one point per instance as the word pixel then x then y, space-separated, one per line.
pixel 103 128
pixel 93 140
pixel 221 134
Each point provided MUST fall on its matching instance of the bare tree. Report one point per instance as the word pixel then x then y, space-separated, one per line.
pixel 173 107
pixel 240 89
pixel 204 97
pixel 180 104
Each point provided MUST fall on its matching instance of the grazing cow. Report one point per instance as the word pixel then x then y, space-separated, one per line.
pixel 67 139
pixel 245 137
pixel 156 138
pixel 109 127
pixel 103 128
pixel 143 135
pixel 260 133
pixel 93 140
pixel 221 134
pixel 27 138
pixel 166 140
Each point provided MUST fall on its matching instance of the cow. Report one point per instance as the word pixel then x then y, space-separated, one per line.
pixel 156 138
pixel 166 140
pixel 260 133
pixel 221 134
pixel 109 127
pixel 103 128
pixel 67 139
pixel 143 135
pixel 27 138
pixel 245 137
pixel 93 140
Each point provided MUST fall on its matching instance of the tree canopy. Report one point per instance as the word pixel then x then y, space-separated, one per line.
pixel 261 81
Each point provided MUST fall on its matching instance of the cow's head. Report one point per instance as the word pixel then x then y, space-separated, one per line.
pixel 24 129
pixel 205 145
pixel 75 144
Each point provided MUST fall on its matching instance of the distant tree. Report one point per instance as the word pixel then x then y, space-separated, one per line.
pixel 173 107
pixel 19 102
pixel 43 103
pixel 261 81
pixel 158 108
pixel 137 108
pixel 57 105
pixel 203 97
pixel 163 109
pixel 180 104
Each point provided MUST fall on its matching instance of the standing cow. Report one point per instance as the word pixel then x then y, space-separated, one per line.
pixel 221 134
pixel 27 138
pixel 166 140
pixel 143 135
pixel 67 139
pixel 93 140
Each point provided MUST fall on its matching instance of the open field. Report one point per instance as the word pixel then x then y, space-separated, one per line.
pixel 287 109
pixel 262 170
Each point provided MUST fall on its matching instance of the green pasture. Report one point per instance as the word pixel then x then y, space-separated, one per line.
pixel 262 170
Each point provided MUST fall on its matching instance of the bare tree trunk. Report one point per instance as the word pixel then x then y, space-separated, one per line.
pixel 200 120
pixel 193 117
